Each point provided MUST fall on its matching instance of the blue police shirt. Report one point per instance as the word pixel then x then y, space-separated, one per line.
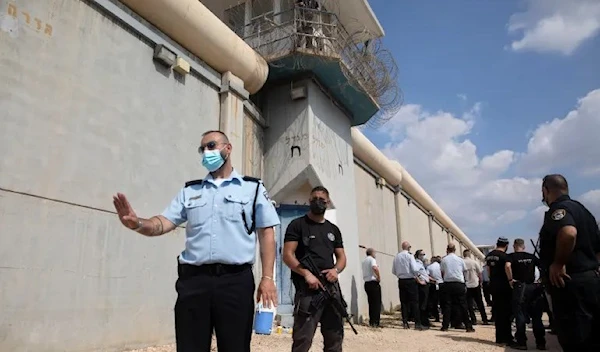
pixel 215 231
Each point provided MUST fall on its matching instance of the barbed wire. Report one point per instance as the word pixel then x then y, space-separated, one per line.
pixel 322 39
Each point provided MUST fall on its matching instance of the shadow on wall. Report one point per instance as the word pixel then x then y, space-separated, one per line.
pixel 354 303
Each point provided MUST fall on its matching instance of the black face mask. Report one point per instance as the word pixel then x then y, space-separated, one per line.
pixel 318 206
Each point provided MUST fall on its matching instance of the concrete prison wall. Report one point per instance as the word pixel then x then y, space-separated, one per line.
pixel 377 228
pixel 86 112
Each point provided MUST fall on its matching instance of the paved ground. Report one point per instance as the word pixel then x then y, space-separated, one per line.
pixel 391 338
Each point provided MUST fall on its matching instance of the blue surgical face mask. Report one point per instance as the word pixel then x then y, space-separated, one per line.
pixel 212 160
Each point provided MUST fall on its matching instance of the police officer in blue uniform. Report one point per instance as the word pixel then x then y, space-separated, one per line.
pixel 225 213
pixel 569 252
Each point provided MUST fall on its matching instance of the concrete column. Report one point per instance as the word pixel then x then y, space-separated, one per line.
pixel 398 197
pixel 431 232
pixel 231 121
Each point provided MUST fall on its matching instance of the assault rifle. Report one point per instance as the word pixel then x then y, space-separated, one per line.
pixel 330 293
pixel 536 252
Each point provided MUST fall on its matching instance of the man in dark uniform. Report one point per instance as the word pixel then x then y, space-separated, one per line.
pixel 501 291
pixel 520 270
pixel 569 252
pixel 315 236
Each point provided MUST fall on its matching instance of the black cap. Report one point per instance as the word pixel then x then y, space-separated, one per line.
pixel 502 241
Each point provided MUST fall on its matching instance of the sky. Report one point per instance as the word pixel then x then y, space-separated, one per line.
pixel 497 94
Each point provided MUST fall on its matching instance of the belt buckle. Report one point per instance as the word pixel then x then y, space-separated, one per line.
pixel 218 269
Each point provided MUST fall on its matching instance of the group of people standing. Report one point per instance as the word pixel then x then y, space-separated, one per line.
pixel 450 284
pixel 569 266
pixel 227 214
pixel 516 294
pixel 563 280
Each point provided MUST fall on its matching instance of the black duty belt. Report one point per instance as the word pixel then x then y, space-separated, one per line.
pixel 188 270
pixel 585 274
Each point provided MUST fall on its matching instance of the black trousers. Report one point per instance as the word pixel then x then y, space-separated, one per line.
pixel 527 301
pixel 487 293
pixel 576 309
pixel 434 302
pixel 306 320
pixel 474 298
pixel 219 297
pixel 409 300
pixel 373 290
pixel 455 294
pixel 502 311
pixel 423 304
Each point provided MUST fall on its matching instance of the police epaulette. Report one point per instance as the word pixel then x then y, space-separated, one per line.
pixel 194 182
pixel 251 179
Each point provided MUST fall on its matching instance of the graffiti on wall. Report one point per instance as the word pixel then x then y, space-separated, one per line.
pixel 331 152
pixel 19 15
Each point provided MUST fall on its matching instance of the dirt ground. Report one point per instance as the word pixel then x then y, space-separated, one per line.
pixel 391 338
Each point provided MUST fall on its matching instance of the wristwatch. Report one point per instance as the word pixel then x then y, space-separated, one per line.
pixel 337 270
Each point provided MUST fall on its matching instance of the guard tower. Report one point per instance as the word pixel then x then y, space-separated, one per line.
pixel 327 73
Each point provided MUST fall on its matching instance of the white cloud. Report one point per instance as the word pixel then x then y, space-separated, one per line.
pixel 591 200
pixel 475 189
pixel 568 142
pixel 555 25
pixel 435 149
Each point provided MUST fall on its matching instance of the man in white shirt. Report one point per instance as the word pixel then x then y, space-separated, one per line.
pixel 473 278
pixel 423 288
pixel 455 291
pixel 435 273
pixel 372 277
pixel 405 268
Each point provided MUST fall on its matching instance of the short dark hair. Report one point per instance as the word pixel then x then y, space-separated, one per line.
pixel 223 135
pixel 556 182
pixel 370 251
pixel 320 189
pixel 466 252
pixel 519 242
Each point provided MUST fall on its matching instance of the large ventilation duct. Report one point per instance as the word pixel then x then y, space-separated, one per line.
pixel 197 29
pixel 368 153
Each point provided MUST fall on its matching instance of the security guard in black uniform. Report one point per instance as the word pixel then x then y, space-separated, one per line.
pixel 569 252
pixel 501 291
pixel 520 270
pixel 313 235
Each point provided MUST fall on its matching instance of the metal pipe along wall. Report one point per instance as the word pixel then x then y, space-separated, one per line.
pixel 393 173
pixel 197 29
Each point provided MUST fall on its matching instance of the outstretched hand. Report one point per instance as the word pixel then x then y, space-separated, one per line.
pixel 125 212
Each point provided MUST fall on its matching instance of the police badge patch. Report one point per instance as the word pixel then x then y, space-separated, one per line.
pixel 331 237
pixel 558 214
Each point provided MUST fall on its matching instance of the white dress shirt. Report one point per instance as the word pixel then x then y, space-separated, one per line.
pixel 472 271
pixel 422 272
pixel 434 271
pixel 405 266
pixel 367 269
pixel 453 268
